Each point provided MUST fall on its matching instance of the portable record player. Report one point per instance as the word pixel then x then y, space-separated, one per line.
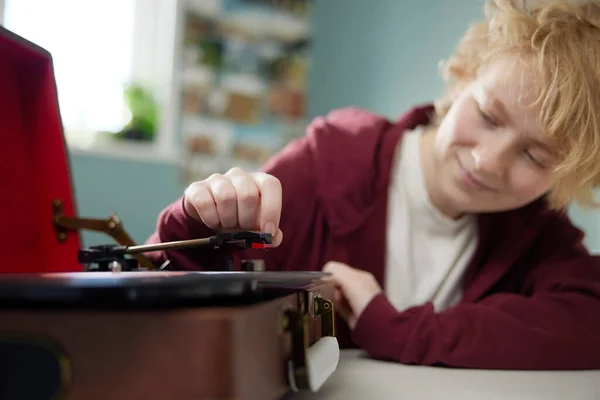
pixel 104 322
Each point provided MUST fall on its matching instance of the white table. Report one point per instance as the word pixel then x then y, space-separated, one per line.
pixel 358 377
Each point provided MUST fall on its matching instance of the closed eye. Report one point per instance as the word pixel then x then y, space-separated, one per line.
pixel 538 161
pixel 487 118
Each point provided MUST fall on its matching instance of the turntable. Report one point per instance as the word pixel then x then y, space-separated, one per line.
pixel 104 322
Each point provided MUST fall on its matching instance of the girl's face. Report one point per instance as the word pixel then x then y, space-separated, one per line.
pixel 490 153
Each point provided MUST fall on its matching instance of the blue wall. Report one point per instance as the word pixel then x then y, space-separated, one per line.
pixel 135 190
pixel 378 54
pixel 589 221
pixel 384 54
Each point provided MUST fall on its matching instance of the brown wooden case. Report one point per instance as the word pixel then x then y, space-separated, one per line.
pixel 221 352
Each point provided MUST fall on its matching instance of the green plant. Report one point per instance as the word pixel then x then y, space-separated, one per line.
pixel 143 124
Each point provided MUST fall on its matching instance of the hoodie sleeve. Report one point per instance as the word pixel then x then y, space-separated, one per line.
pixel 326 176
pixel 553 324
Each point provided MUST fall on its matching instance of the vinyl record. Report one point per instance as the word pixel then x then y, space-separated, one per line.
pixel 148 288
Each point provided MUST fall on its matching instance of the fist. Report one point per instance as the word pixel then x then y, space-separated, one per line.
pixel 237 200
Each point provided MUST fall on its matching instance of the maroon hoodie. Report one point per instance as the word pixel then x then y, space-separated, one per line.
pixel 531 294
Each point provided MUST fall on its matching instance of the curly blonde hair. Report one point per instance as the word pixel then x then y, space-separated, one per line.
pixel 560 40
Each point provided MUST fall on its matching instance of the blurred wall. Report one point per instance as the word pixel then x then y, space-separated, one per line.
pixel 384 54
pixel 135 190
pixel 379 54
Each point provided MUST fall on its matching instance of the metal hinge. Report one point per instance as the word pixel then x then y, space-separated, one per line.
pixel 111 226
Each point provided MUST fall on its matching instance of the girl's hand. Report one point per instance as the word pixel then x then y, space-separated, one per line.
pixel 237 200
pixel 355 290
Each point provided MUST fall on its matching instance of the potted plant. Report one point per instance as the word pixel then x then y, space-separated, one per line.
pixel 143 124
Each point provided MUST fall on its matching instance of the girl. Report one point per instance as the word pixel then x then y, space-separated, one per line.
pixel 445 230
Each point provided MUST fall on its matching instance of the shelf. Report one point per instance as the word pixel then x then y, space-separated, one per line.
pixel 129 151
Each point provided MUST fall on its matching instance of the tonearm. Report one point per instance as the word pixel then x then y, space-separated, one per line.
pixel 113 257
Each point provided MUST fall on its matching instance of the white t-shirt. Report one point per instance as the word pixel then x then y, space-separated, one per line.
pixel 427 252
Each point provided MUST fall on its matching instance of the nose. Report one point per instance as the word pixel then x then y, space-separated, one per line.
pixel 491 159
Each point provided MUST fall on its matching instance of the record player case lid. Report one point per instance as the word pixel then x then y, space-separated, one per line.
pixel 34 162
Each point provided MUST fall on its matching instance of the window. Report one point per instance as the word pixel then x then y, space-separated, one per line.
pixel 98 48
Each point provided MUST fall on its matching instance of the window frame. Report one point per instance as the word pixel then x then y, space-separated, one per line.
pixel 155 60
